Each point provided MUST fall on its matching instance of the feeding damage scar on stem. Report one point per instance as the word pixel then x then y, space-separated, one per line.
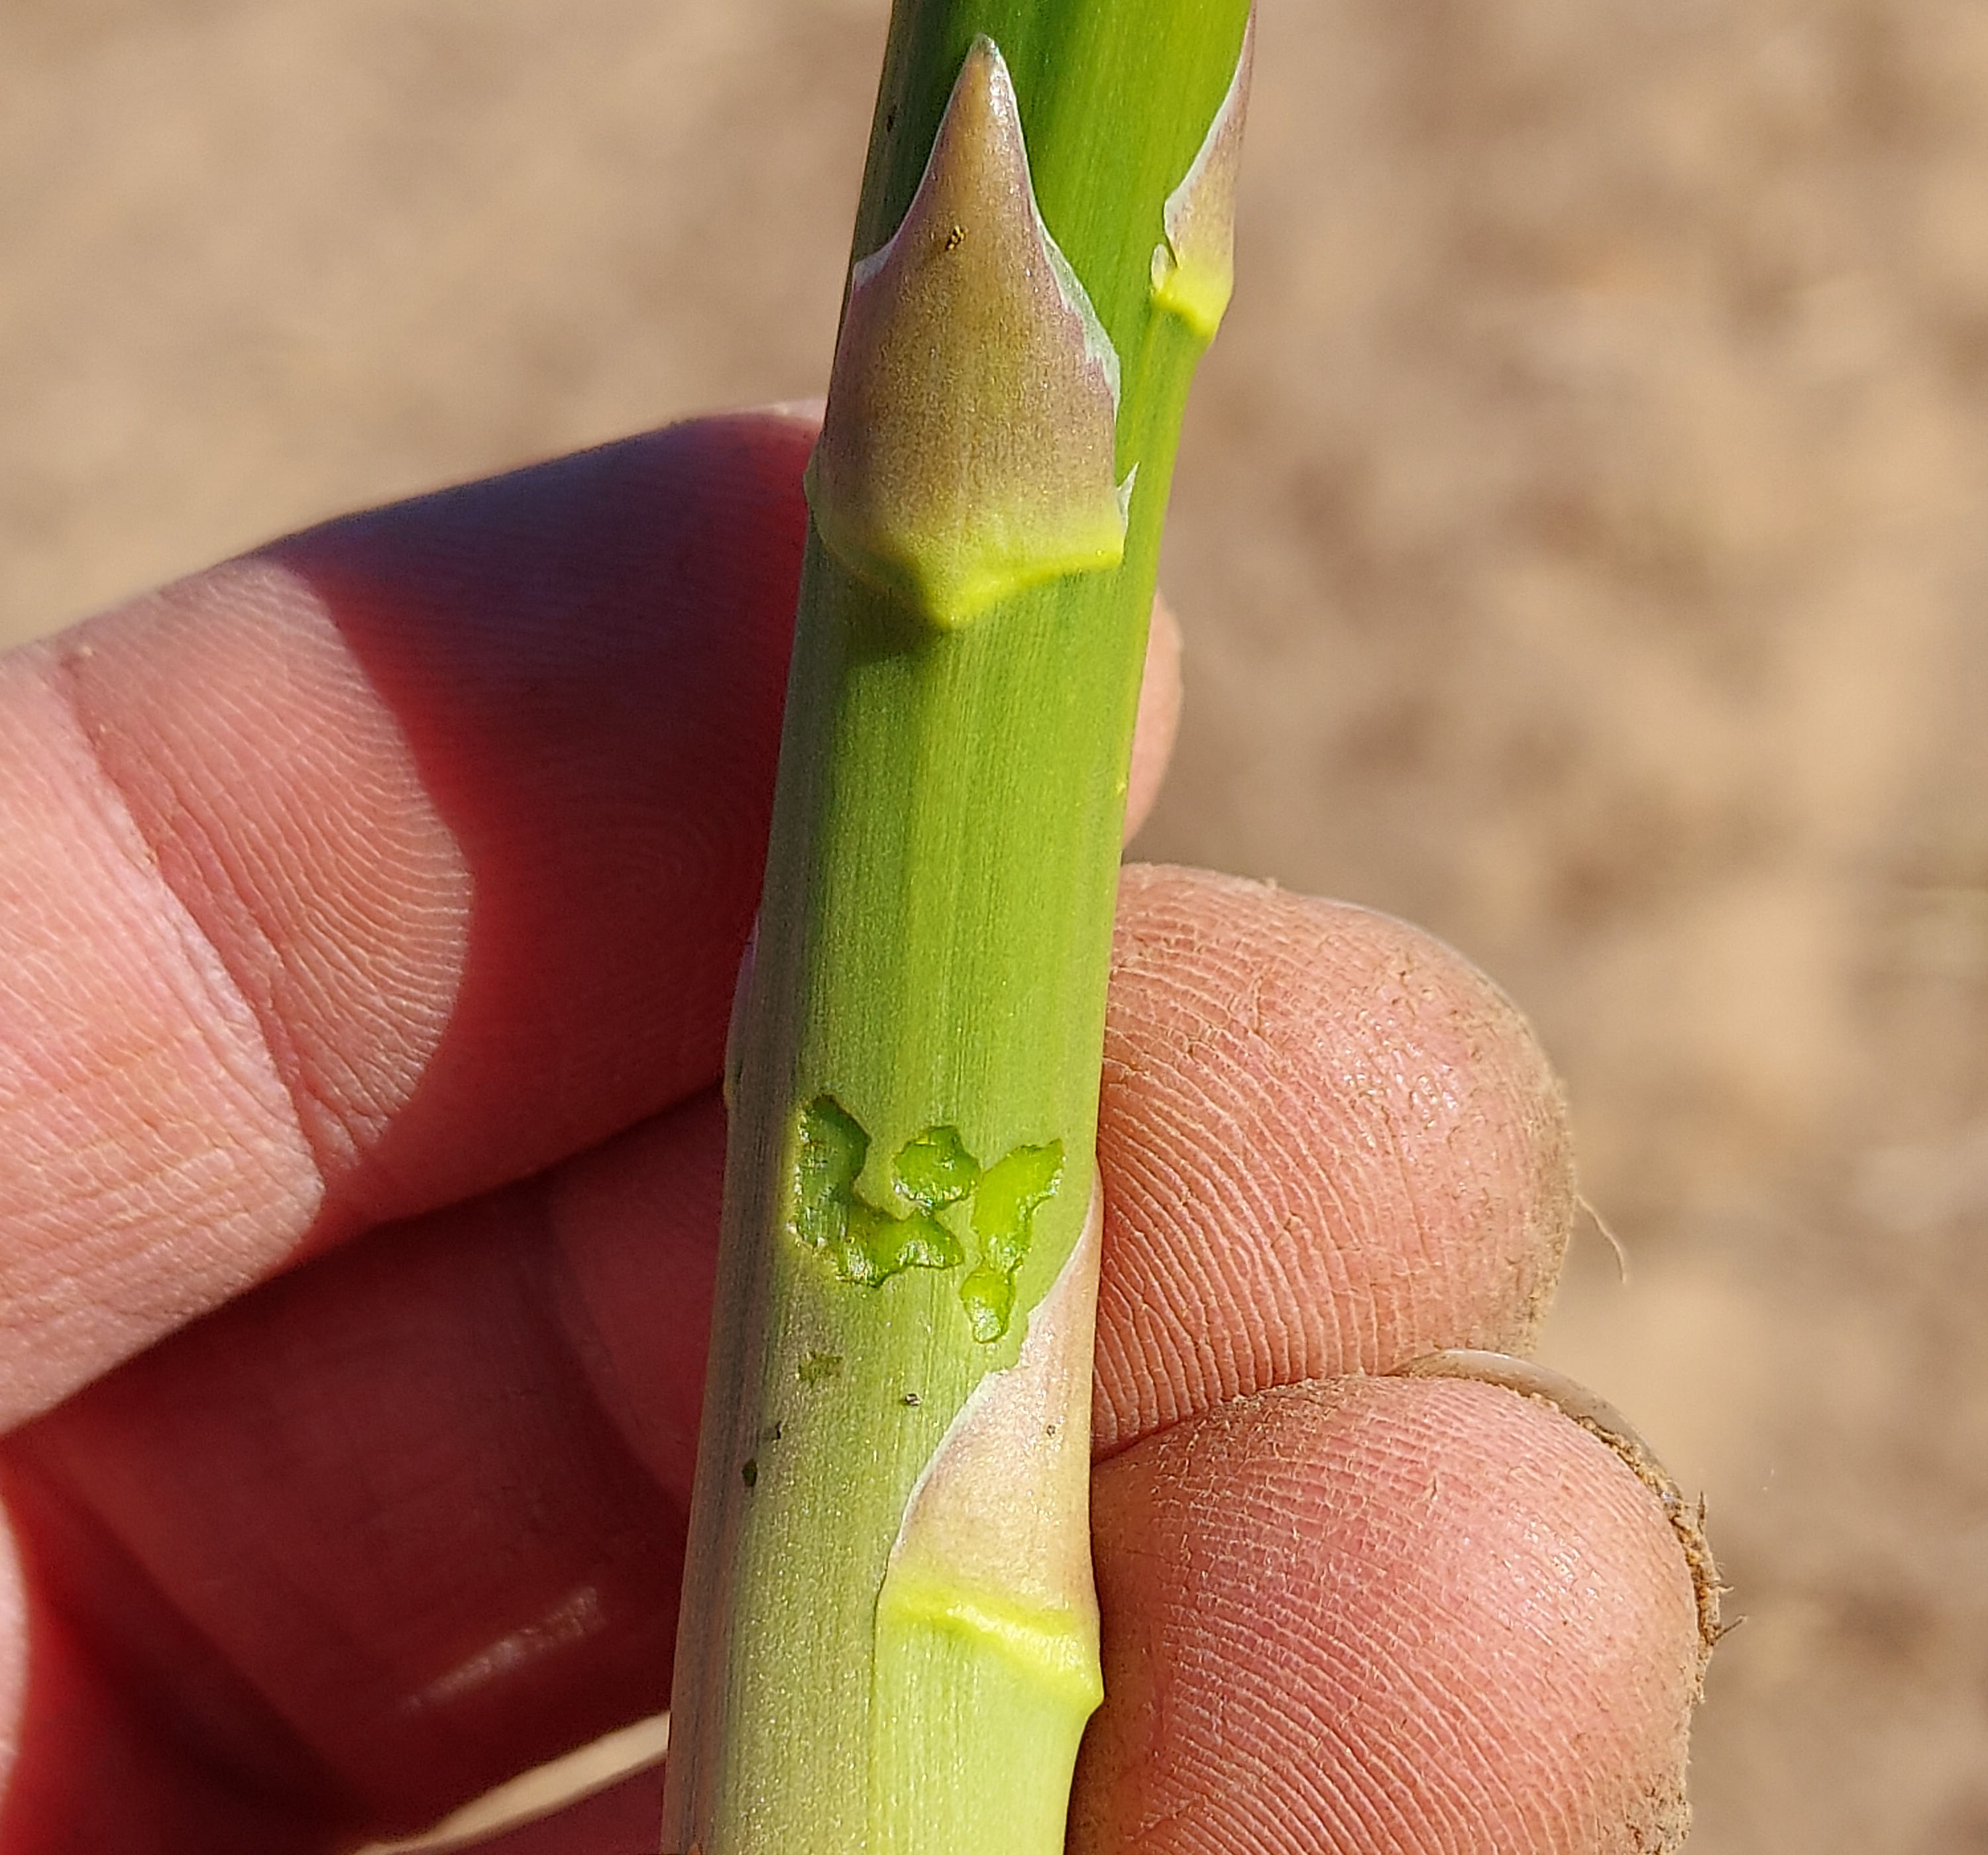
pixel 866 1244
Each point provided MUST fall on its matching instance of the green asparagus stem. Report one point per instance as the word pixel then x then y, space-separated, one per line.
pixel 889 1641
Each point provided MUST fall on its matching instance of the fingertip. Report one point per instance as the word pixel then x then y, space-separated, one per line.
pixel 1328 1144
pixel 1418 1615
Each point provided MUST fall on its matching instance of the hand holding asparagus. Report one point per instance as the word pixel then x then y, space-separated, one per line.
pixel 368 909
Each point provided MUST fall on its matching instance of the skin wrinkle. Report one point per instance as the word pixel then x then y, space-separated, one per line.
pixel 1348 1819
pixel 1289 1162
pixel 114 1281
pixel 1262 1196
pixel 182 845
pixel 1181 1132
pixel 203 1709
pixel 1337 1203
pixel 1307 1528
pixel 1425 1246
pixel 1150 1393
pixel 511 1263
pixel 1625 1508
pixel 1188 1314
pixel 1263 1188
pixel 1454 1748
pixel 1205 1274
pixel 1401 1772
pixel 1276 1166
pixel 1272 1768
pixel 1347 1206
pixel 1129 1361
pixel 542 680
pixel 600 1295
pixel 230 1010
pixel 1310 1793
pixel 296 955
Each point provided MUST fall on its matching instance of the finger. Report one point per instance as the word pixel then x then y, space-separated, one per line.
pixel 1328 1144
pixel 502 1401
pixel 378 868
pixel 77 1713
pixel 364 873
pixel 405 1521
pixel 1413 1616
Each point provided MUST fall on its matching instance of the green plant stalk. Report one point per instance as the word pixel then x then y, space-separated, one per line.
pixel 889 1638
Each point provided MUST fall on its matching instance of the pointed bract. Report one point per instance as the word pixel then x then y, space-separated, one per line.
pixel 969 446
pixel 1194 271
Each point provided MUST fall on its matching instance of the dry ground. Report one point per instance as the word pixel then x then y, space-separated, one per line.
pixel 1580 536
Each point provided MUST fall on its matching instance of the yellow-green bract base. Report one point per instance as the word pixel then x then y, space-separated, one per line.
pixel 989 1716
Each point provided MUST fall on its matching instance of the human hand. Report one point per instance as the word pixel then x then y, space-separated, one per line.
pixel 369 911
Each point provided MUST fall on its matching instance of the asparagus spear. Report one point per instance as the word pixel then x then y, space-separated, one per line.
pixel 889 1637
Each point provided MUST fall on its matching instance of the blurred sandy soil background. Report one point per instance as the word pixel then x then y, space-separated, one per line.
pixel 1580 535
